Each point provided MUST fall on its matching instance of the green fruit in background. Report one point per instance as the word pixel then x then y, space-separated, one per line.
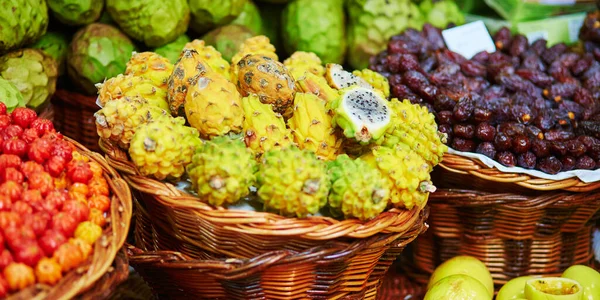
pixel 553 288
pixel 458 287
pixel 271 18
pixel 33 73
pixel 372 22
pixel 10 95
pixel 588 278
pixel 97 52
pixel 22 22
pixel 441 13
pixel 250 18
pixel 275 1
pixel 315 26
pixel 55 44
pixel 467 265
pixel 208 14
pixel 228 39
pixel 154 22
pixel 172 50
pixel 514 288
pixel 76 12
pixel 105 18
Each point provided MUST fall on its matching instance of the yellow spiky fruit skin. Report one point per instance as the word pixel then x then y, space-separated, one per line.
pixel 132 86
pixel 300 62
pixel 255 45
pixel 414 126
pixel 222 171
pixel 118 120
pixel 358 190
pixel 408 174
pixel 151 66
pixel 317 85
pixel 211 56
pixel 214 106
pixel 312 128
pixel 263 128
pixel 163 148
pixel 186 72
pixel 376 80
pixel 292 182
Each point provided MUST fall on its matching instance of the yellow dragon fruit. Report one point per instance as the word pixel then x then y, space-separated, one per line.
pixel 151 66
pixel 376 80
pixel 255 45
pixel 211 56
pixel 130 85
pixel 186 72
pixel 263 128
pixel 301 62
pixel 316 85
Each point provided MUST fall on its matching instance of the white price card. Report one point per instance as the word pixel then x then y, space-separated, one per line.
pixel 469 39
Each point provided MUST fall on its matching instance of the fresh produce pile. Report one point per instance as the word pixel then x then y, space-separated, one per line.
pixel 523 105
pixel 53 202
pixel 285 129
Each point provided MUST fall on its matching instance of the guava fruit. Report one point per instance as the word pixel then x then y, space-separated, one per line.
pixel 22 22
pixel 250 18
pixel 228 39
pixel 315 26
pixel 553 288
pixel 76 12
pixel 458 287
pixel 588 278
pixel 372 22
pixel 441 13
pixel 172 50
pixel 209 14
pixel 55 44
pixel 467 265
pixel 514 288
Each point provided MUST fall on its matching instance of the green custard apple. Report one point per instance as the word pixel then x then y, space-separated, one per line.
pixel 97 52
pixel 228 39
pixel 154 22
pixel 209 14
pixel 76 12
pixel 172 50
pixel 55 44
pixel 441 13
pixel 315 26
pixel 10 95
pixel 22 22
pixel 250 18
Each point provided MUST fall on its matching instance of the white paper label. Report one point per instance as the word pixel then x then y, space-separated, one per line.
pixel 557 2
pixel 469 39
pixel 537 35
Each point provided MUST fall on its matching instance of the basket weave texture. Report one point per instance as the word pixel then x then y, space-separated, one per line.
pixel 187 248
pixel 104 270
pixel 74 117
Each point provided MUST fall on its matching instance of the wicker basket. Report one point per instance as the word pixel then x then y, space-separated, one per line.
pixel 104 270
pixel 517 225
pixel 253 254
pixel 398 285
pixel 74 117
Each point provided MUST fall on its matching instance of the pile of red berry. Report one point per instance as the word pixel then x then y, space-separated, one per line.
pixel 53 202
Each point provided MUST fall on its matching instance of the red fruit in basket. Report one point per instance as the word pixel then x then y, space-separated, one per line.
pixel 55 165
pixel 9 161
pixel 11 189
pixel 5 258
pixel 68 256
pixel 16 236
pixel 5 203
pixel 33 197
pixel 55 200
pixel 79 171
pixel 48 271
pixel 12 174
pixel 99 186
pixel 2 108
pixel 65 223
pixel 99 202
pixel 23 116
pixel 22 208
pixel 41 181
pixel 79 210
pixel 15 146
pixel 39 150
pixel 51 240
pixel 19 276
pixel 97 217
pixel 42 126
pixel 5 121
pixel 1 241
pixel 9 219
pixel 29 135
pixel 12 131
pixel 38 222
pixel 4 289
pixel 30 167
pixel 29 253
pixel 62 149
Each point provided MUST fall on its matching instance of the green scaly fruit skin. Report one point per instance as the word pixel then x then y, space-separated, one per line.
pixel 155 23
pixel 76 12
pixel 34 74
pixel 222 171
pixel 22 22
pixel 228 39
pixel 209 14
pixel 271 17
pixel 293 182
pixel 250 18
pixel 315 26
pixel 165 139
pixel 97 51
pixel 441 13
pixel 172 50
pixel 358 190
pixel 10 95
pixel 55 44
pixel 372 22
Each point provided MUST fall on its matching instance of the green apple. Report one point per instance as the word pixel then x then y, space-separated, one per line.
pixel 553 288
pixel 458 287
pixel 467 265
pixel 588 278
pixel 514 288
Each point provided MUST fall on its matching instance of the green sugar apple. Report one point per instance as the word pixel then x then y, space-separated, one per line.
pixel 250 18
pixel 154 23
pixel 97 52
pixel 22 22
pixel 172 50
pixel 33 73
pixel 441 13
pixel 10 95
pixel 315 26
pixel 76 12
pixel 208 14
pixel 228 39
pixel 55 44
pixel 372 22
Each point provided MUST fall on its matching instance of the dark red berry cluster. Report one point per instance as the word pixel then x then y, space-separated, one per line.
pixel 524 105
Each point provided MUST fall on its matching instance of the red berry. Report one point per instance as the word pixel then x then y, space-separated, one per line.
pixel 51 240
pixel 30 253
pixel 2 108
pixel 1 241
pixel 55 166
pixel 16 236
pixel 55 200
pixel 4 287
pixel 32 197
pixel 39 150
pixel 38 222
pixel 29 135
pixel 22 208
pixel 62 149
pixel 5 121
pixel 12 131
pixel 11 174
pixel 77 209
pixel 30 167
pixel 23 116
pixel 79 171
pixel 9 161
pixel 42 126
pixel 41 181
pixel 5 258
pixel 15 146
pixel 65 223
pixel 9 219
pixel 11 189
pixel 5 203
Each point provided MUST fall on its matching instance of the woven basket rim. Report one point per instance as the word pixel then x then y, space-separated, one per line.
pixel 254 222
pixel 469 166
pixel 106 247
